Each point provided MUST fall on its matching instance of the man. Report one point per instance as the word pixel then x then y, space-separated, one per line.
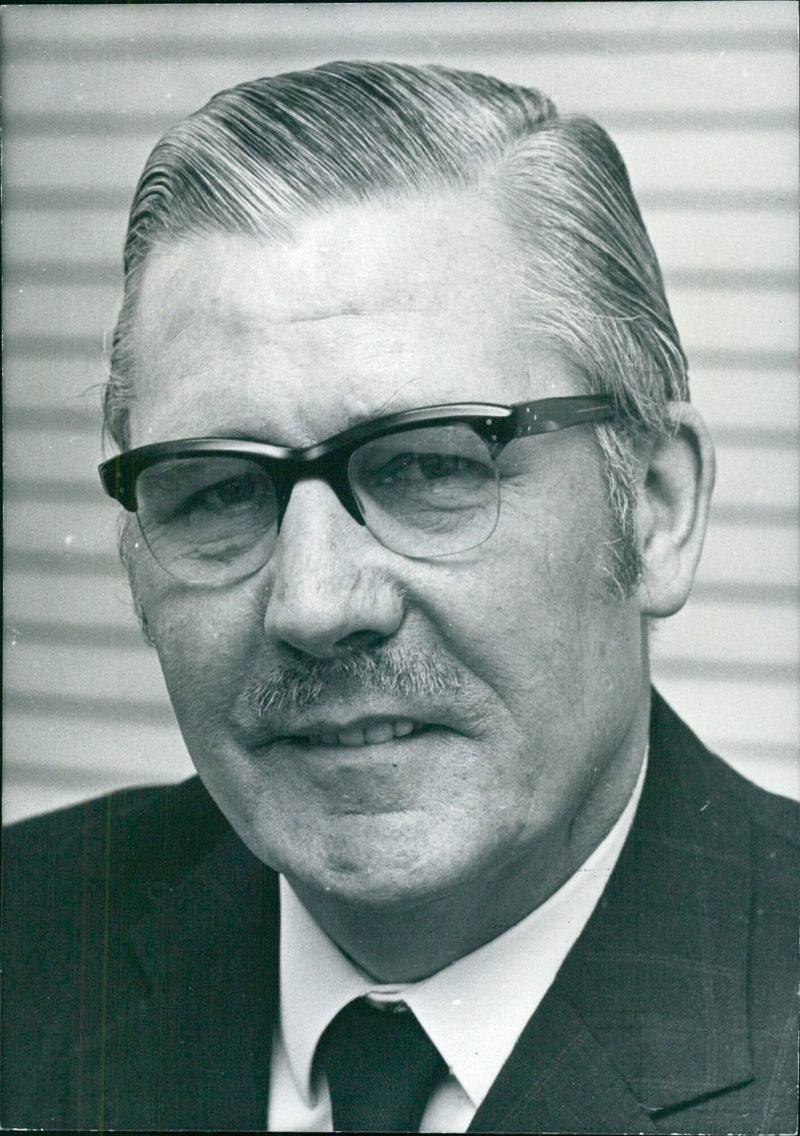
pixel 409 469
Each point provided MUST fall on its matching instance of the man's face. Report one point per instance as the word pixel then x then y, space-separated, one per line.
pixel 500 776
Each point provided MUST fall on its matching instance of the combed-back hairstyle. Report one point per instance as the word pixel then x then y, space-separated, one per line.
pixel 260 157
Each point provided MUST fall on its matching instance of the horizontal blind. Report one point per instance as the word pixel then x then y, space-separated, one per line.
pixel 702 100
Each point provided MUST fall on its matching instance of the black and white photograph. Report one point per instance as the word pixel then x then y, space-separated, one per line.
pixel 456 789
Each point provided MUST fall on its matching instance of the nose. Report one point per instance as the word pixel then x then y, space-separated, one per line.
pixel 330 588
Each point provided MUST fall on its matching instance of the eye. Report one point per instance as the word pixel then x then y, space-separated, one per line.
pixel 410 468
pixel 192 488
pixel 241 490
pixel 443 465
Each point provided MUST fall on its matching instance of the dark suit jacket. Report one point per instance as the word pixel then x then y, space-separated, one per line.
pixel 141 967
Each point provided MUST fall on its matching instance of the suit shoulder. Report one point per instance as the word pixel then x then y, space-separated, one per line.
pixel 690 764
pixel 773 819
pixel 145 827
pixel 718 812
pixel 768 811
pixel 125 804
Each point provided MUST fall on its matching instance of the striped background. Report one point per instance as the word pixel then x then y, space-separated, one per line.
pixel 702 99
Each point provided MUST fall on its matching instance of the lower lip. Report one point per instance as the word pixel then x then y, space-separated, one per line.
pixel 392 777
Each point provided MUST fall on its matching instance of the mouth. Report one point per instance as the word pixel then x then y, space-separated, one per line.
pixel 369 733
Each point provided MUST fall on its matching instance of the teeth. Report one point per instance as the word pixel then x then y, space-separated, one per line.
pixel 373 735
pixel 380 733
pixel 353 737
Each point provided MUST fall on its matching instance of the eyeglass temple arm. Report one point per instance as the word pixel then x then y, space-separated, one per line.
pixel 546 415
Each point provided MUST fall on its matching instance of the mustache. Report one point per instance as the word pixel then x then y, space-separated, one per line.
pixel 400 672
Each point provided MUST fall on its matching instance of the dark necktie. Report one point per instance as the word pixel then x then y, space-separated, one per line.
pixel 381 1068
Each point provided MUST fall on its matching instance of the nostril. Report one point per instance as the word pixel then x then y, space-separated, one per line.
pixel 361 640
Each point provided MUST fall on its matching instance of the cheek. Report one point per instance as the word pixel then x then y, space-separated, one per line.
pixel 532 599
pixel 536 617
pixel 204 645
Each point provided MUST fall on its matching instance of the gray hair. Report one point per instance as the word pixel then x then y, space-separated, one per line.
pixel 260 157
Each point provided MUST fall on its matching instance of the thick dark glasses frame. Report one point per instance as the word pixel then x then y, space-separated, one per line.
pixel 329 460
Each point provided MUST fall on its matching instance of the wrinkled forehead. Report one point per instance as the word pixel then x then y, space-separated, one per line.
pixel 367 309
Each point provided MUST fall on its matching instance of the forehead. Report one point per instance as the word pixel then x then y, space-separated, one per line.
pixel 368 309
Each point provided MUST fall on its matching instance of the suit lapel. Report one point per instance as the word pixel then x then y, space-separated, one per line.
pixel 201 1044
pixel 559 1079
pixel 649 1010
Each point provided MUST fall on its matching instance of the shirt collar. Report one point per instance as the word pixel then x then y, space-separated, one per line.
pixel 473 1010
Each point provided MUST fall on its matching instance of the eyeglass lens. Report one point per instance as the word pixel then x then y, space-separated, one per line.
pixel 425 492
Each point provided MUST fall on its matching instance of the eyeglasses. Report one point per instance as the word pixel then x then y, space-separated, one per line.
pixel 424 482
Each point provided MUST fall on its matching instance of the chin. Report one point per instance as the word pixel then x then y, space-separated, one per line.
pixel 391 869
pixel 378 892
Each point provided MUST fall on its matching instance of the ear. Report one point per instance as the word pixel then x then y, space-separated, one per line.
pixel 677 479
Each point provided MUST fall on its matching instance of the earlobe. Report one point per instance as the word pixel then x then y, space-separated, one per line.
pixel 674 498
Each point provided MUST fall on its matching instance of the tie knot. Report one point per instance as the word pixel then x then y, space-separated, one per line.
pixel 381 1068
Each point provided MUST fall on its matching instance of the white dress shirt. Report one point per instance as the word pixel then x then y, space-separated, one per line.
pixel 473 1010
